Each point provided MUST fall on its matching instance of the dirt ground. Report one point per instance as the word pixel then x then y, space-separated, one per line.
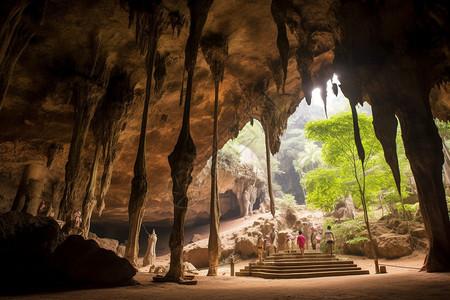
pixel 402 281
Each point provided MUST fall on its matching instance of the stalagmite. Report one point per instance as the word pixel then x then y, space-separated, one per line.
pixel 29 192
pixel 150 255
pixel 149 25
pixel 215 51
pixel 19 21
pixel 181 160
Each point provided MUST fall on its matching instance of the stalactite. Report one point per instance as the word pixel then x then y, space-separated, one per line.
pixel 116 110
pixel 181 160
pixel 89 200
pixel 278 9
pixel 215 51
pixel 269 171
pixel 385 126
pixel 19 21
pixel 150 21
pixel 87 93
pixel 53 150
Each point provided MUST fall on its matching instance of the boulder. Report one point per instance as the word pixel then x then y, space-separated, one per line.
pixel 419 232
pixel 105 243
pixel 195 238
pixel 355 248
pixel 393 223
pixel 198 256
pixel 26 245
pixel 394 245
pixel 83 261
pixel 402 228
pixel 189 268
pixel 246 247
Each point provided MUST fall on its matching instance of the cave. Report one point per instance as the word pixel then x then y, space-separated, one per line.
pixel 107 107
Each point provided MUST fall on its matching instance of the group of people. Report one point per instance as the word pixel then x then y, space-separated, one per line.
pixel 270 242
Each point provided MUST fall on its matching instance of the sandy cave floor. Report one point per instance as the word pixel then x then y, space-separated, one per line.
pixel 397 283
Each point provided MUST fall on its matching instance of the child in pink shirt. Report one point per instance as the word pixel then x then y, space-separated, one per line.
pixel 301 241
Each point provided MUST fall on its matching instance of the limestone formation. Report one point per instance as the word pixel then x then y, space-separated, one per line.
pixel 150 254
pixel 215 50
pixel 391 54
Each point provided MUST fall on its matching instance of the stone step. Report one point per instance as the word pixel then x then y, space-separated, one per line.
pixel 293 259
pixel 303 263
pixel 304 270
pixel 307 274
pixel 276 267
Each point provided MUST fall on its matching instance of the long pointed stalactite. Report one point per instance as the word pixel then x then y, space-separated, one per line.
pixel 117 105
pixel 19 21
pixel 150 19
pixel 215 51
pixel 278 9
pixel 90 201
pixel 266 123
pixel 181 160
pixel 87 93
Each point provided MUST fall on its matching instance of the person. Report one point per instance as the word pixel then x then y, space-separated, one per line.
pixel 329 238
pixel 301 241
pixel 260 245
pixel 289 239
pixel 274 239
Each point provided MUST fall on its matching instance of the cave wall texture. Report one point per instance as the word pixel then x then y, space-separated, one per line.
pixel 59 58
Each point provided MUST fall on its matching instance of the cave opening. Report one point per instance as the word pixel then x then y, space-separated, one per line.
pixel 233 212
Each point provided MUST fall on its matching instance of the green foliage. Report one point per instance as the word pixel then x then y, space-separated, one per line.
pixel 324 187
pixel 286 203
pixel 349 231
pixel 357 240
pixel 309 158
pixel 340 154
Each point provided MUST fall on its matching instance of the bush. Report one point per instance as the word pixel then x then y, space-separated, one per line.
pixel 348 231
pixel 286 203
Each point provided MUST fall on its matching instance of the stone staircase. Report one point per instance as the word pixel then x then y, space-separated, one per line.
pixel 296 265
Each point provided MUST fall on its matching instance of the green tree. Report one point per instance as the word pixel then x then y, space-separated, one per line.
pixel 309 158
pixel 340 154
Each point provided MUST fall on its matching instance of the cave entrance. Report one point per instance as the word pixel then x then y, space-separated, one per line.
pixel 229 198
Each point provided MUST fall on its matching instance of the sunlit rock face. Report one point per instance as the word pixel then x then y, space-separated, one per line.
pixel 37 116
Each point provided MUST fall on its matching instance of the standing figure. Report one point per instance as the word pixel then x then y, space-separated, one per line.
pixel 329 237
pixel 260 244
pixel 301 242
pixel 289 239
pixel 274 238
pixel 150 255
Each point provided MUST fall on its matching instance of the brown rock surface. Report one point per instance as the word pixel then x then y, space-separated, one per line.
pixel 392 54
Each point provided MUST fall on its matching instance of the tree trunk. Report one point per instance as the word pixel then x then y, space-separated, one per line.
pixel 16 29
pixel 90 199
pixel 214 239
pixel 423 148
pixel 87 96
pixel 269 172
pixel 28 196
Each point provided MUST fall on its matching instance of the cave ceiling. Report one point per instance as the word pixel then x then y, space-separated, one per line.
pixel 38 113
